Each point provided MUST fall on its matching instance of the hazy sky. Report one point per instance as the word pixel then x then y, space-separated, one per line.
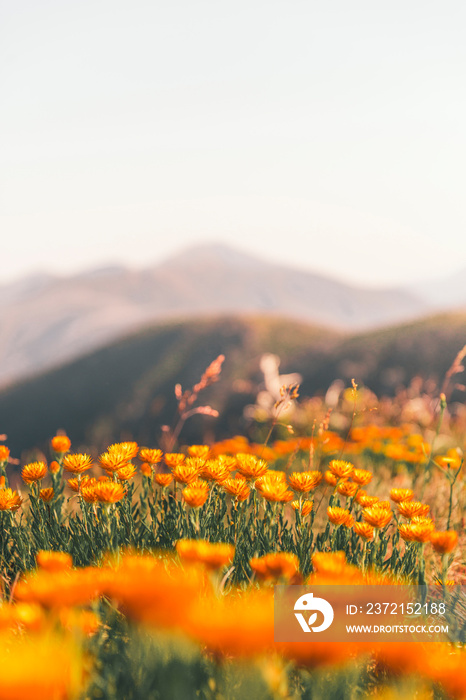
pixel 325 134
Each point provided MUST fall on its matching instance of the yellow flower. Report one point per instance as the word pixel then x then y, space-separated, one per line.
pixel 61 444
pixel 339 516
pixel 377 515
pixel 47 495
pixel 109 491
pixel 151 456
pixel 302 482
pixel 34 472
pixel 195 496
pixel 9 500
pixel 77 463
pixel 341 469
pixel 251 467
pixel 364 530
pixel 444 542
pixel 213 556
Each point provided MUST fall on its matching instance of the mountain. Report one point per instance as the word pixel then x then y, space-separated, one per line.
pixel 46 320
pixel 126 390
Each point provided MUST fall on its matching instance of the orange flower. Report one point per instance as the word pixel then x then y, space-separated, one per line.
pixel 84 621
pixel 77 463
pixel 4 453
pixel 364 530
pixel 195 496
pixel 151 456
pixel 54 561
pixel 306 507
pixel 213 556
pixel 146 469
pixel 399 495
pixel 109 491
pixel 348 489
pixel 412 508
pixel 9 500
pixel 163 479
pixel 47 495
pixel 331 479
pixel 200 451
pixel 339 516
pixel 361 476
pixel 61 444
pixel 34 472
pixel 113 461
pixel 377 515
pixel 174 459
pixel 237 487
pixel 302 482
pixel 215 470
pixel 185 473
pixel 444 542
pixel 233 626
pixel 341 469
pixel 87 491
pixel 54 467
pixel 274 489
pixel 250 466
pixel 126 473
pixel 420 531
pixel 275 566
pixel 364 500
pixel 329 562
pixel 128 449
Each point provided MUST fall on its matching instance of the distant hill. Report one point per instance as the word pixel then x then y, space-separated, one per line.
pixel 126 390
pixel 45 320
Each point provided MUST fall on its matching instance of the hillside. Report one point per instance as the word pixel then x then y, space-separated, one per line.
pixel 46 320
pixel 127 388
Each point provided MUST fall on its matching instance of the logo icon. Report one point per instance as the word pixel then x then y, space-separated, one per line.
pixel 307 603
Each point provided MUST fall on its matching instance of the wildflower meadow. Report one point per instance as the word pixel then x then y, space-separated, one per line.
pixel 148 571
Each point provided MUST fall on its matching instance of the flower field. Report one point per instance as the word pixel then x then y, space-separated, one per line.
pixel 149 571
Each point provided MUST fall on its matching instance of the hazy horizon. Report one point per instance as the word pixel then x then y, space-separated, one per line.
pixel 324 136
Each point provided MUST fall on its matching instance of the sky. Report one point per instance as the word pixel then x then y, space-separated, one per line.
pixel 325 135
